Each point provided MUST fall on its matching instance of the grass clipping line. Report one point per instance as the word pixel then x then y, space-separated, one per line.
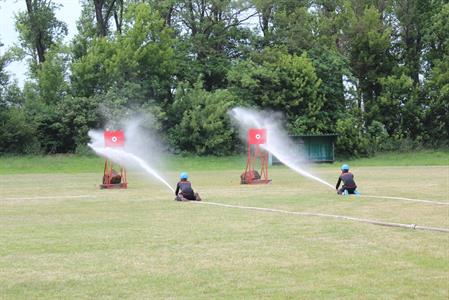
pixel 375 222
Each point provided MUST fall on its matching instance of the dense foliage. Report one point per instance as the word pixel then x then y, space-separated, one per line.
pixel 375 72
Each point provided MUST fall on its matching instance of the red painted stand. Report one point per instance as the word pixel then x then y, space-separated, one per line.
pixel 111 178
pixel 256 137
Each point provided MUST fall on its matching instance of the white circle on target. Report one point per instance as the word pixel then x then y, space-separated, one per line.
pixel 257 136
pixel 114 139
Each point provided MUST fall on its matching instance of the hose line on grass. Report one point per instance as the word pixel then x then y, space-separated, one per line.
pixel 406 199
pixel 375 222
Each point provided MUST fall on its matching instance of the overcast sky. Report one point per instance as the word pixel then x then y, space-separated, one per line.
pixel 69 13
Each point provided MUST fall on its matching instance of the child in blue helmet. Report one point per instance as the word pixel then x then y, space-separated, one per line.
pixel 349 186
pixel 184 191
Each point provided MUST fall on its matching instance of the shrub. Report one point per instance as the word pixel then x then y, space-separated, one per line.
pixel 17 134
pixel 204 126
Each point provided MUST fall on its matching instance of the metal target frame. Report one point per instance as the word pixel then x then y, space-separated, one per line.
pixel 256 137
pixel 114 139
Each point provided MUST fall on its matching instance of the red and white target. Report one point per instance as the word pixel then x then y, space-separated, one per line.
pixel 114 138
pixel 257 136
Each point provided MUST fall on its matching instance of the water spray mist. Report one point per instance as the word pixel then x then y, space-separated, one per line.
pixel 137 144
pixel 129 160
pixel 278 143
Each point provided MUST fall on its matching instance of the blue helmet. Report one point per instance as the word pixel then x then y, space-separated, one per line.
pixel 345 167
pixel 184 175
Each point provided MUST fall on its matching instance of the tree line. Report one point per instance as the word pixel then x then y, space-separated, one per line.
pixel 376 72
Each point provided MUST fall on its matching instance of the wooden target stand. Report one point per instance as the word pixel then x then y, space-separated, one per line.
pixel 111 178
pixel 256 155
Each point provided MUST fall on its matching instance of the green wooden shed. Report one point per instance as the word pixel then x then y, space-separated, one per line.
pixel 315 147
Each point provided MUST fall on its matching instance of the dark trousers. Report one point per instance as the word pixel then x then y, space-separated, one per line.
pixel 343 189
pixel 189 196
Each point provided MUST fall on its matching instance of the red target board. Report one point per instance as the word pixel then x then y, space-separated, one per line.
pixel 114 138
pixel 257 136
pixel 114 177
pixel 257 156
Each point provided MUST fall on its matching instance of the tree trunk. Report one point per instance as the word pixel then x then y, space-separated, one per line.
pixel 168 17
pixel 118 17
pixel 264 20
pixel 101 26
pixel 38 43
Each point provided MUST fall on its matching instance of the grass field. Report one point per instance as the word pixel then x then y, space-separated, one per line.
pixel 82 164
pixel 62 237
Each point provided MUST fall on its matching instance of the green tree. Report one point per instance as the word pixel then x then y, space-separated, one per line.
pixel 203 124
pixel 286 23
pixel 75 116
pixel 51 77
pixel 43 95
pixel 136 68
pixel 282 82
pixel 265 11
pixel 352 140
pixel 5 59
pixel 368 45
pixel 398 107
pixel 413 17
pixel 293 25
pixel 106 10
pixel 143 54
pixel 40 36
pixel 17 134
pixel 313 27
pixel 437 120
pixel 87 31
pixel 211 36
pixel 435 34
pixel 39 29
pixel 437 86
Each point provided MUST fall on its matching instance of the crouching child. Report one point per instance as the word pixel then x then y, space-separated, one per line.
pixel 349 186
pixel 184 190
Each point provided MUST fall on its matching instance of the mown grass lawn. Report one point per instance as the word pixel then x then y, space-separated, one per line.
pixel 62 237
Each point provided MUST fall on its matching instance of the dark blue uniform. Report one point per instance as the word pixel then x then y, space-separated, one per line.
pixel 184 187
pixel 348 183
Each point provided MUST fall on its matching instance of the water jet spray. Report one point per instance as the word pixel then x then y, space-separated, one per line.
pixel 114 149
pixel 278 143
